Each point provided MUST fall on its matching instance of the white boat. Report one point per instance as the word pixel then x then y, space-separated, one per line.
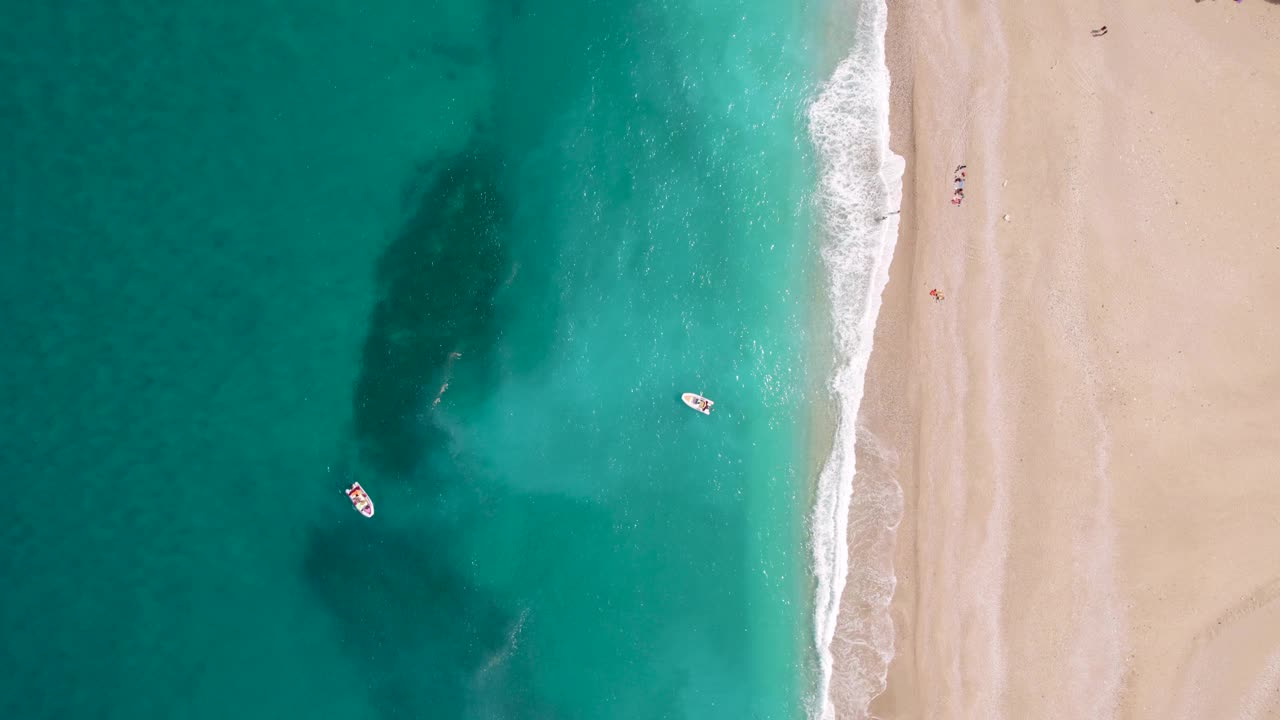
pixel 697 402
pixel 360 500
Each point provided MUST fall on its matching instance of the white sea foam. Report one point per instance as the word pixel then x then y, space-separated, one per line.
pixel 860 182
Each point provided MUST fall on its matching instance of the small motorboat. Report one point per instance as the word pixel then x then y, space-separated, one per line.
pixel 697 402
pixel 360 500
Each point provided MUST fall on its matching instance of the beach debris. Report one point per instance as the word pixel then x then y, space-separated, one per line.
pixel 1008 217
pixel 1099 32
pixel 957 195
pixel 937 295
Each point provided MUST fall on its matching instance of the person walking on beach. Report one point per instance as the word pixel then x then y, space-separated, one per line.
pixel 936 295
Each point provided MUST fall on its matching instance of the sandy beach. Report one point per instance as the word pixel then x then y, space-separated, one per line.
pixel 1086 429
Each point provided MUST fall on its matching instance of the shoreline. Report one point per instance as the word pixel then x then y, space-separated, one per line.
pixel 890 402
pixel 890 408
pixel 851 527
pixel 1057 424
pixel 885 439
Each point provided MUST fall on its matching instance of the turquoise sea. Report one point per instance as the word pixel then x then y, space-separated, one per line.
pixel 467 253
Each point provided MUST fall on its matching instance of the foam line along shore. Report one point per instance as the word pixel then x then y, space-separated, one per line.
pixel 858 195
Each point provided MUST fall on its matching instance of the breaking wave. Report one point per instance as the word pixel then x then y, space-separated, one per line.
pixel 859 185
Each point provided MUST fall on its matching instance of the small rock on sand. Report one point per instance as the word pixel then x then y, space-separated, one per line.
pixel 1008 217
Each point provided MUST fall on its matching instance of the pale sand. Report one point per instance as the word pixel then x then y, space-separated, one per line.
pixel 1087 429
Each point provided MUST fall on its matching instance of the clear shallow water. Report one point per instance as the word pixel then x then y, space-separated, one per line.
pixel 243 244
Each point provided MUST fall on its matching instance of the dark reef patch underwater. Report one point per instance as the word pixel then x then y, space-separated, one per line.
pixel 415 630
pixel 436 284
pixel 403 613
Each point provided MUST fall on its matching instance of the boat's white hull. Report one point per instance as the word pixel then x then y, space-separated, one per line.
pixel 697 402
pixel 360 500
